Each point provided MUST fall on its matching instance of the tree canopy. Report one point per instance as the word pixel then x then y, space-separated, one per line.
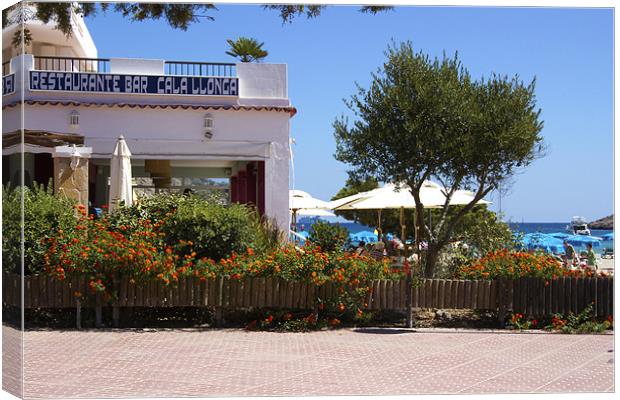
pixel 246 49
pixel 288 12
pixel 424 118
pixel 178 15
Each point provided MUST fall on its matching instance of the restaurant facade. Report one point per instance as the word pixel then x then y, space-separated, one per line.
pixel 204 126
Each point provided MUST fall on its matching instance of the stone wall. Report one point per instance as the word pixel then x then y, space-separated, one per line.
pixel 72 183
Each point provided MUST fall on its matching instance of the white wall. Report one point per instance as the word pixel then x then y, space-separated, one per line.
pixel 167 133
pixel 80 43
pixel 259 81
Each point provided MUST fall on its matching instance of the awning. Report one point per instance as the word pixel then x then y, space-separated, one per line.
pixel 183 149
pixel 41 138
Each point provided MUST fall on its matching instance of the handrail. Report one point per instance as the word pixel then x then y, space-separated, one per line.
pixel 192 68
pixel 72 64
pixel 102 65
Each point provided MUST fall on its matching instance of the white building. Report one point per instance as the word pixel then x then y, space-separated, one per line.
pixel 181 120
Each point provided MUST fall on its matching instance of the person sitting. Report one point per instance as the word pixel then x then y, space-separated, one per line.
pixel 378 251
pixel 361 249
pixel 397 244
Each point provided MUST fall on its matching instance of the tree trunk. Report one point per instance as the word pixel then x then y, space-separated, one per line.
pixel 432 253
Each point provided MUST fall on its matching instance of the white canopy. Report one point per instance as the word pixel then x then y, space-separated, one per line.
pixel 315 212
pixel 120 175
pixel 300 200
pixel 395 196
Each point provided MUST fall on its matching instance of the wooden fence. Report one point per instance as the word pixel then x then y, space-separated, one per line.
pixel 529 296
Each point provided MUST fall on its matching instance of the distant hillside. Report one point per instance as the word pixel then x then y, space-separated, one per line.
pixel 603 223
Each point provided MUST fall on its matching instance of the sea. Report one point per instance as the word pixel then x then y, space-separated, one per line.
pixel 522 227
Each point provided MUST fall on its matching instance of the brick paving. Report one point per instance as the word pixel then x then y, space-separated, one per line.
pixel 177 363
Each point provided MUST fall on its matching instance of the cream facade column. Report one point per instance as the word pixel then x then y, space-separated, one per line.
pixel 71 172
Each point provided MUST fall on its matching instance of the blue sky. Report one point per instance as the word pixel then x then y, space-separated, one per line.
pixel 569 51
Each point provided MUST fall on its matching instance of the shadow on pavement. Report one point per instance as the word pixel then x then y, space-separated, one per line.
pixel 383 331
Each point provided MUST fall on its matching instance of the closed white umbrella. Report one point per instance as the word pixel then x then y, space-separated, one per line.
pixel 120 175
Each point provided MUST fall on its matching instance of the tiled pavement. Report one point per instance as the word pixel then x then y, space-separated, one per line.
pixel 175 363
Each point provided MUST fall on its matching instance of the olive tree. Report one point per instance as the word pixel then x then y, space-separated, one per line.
pixel 427 119
pixel 178 15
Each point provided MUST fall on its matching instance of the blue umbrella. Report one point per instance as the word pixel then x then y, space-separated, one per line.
pixel 583 240
pixel 366 236
pixel 608 236
pixel 559 235
pixel 541 241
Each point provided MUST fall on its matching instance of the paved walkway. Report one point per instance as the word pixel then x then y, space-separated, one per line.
pixel 374 362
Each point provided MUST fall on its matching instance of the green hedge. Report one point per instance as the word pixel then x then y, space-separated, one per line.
pixel 215 230
pixel 44 215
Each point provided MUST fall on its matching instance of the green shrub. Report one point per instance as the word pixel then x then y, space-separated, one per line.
pixel 154 208
pixel 44 215
pixel 583 322
pixel 216 231
pixel 329 237
pixel 269 237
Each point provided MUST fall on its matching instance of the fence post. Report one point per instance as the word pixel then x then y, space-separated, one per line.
pixel 98 322
pixel 218 308
pixel 315 302
pixel 78 313
pixel 115 317
pixel 501 301
pixel 409 298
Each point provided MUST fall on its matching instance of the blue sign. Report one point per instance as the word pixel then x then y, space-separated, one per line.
pixel 137 84
pixel 8 84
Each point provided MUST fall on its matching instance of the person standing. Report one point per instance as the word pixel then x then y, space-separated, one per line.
pixel 570 256
pixel 592 263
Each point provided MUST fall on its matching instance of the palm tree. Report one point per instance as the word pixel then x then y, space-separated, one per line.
pixel 246 49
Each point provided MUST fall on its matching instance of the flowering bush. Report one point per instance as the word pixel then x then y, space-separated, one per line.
pixel 100 251
pixel 347 271
pixel 519 322
pixel 583 322
pixel 286 321
pixel 311 264
pixel 516 264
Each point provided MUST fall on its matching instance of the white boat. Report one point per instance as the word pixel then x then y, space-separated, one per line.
pixel 578 226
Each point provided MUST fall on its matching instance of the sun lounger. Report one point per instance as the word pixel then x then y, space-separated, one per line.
pixel 607 253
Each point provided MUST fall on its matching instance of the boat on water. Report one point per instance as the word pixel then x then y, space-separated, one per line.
pixel 578 226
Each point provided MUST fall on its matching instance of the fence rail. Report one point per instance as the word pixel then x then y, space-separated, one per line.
pixel 102 65
pixel 72 64
pixel 529 296
pixel 199 68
